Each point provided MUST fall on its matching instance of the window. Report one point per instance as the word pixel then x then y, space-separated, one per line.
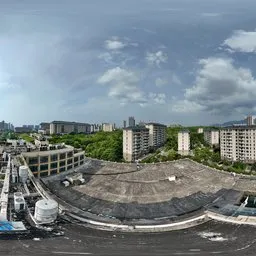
pixel 33 160
pixel 76 164
pixel 43 167
pixel 62 163
pixel 70 161
pixel 44 159
pixel 81 157
pixel 70 154
pixel 69 167
pixel 76 159
pixel 54 158
pixel 63 169
pixel 81 162
pixel 33 168
pixel 54 165
pixel 63 156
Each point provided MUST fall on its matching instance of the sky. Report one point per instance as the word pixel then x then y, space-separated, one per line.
pixel 168 61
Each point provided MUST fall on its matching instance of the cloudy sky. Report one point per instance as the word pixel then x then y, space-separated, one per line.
pixel 173 61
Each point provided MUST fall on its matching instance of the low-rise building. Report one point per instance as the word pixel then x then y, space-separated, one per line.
pixel 23 129
pixel 63 127
pixel 238 143
pixel 184 142
pixel 157 134
pixel 53 159
pixel 135 142
pixel 212 137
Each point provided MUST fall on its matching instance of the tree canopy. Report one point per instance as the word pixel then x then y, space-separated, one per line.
pixel 103 145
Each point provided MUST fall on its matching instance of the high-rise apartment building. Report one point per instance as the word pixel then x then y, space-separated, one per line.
pixel 135 142
pixel 124 124
pixel 63 127
pixel 157 134
pixel 6 126
pixel 212 137
pixel 131 121
pixel 238 143
pixel 184 142
pixel 251 120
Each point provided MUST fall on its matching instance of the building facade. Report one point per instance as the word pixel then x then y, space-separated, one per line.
pixel 238 143
pixel 63 127
pixel 184 142
pixel 135 143
pixel 212 137
pixel 251 120
pixel 45 127
pixel 107 127
pixel 54 161
pixel 131 121
pixel 157 134
pixel 23 129
pixel 200 130
pixel 6 126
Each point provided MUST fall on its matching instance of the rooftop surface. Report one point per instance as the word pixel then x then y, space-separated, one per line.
pixel 123 192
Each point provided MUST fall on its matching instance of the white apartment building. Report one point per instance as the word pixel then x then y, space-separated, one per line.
pixel 95 128
pixel 107 127
pixel 200 130
pixel 238 143
pixel 212 137
pixel 54 160
pixel 184 142
pixel 135 142
pixel 157 134
pixel 251 120
pixel 63 127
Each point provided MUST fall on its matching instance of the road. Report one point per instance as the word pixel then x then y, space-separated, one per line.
pixel 208 239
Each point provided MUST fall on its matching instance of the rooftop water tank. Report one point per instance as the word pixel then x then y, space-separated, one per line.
pixel 46 211
pixel 19 202
pixel 23 173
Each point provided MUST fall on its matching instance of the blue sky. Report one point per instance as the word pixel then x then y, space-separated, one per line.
pixel 172 61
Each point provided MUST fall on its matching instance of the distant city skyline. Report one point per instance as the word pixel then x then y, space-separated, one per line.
pixel 180 61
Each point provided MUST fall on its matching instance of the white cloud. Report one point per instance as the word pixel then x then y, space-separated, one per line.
pixel 160 82
pixel 157 98
pixel 114 44
pixel 242 41
pixel 123 85
pixel 185 106
pixel 106 56
pixel 156 58
pixel 118 75
pixel 221 88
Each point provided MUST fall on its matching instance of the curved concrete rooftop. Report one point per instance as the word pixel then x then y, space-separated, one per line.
pixel 121 191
